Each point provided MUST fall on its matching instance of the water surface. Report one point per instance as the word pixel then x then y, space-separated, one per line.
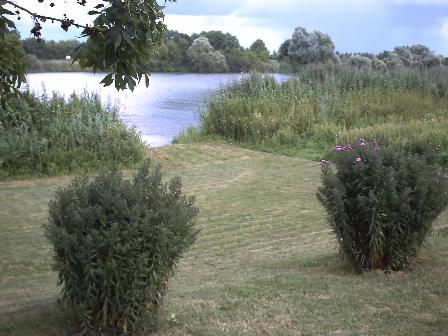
pixel 170 104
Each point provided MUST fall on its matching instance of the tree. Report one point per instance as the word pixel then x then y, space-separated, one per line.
pixel 417 56
pixel 121 38
pixel 311 47
pixel 405 54
pixel 259 47
pixel 379 66
pixel 12 60
pixel 393 61
pixel 172 57
pixel 220 41
pixel 43 49
pixel 283 51
pixel 360 62
pixel 204 58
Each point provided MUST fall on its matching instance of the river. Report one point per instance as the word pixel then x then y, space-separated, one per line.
pixel 170 104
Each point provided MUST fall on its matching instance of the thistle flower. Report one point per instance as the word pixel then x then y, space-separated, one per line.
pixel 339 149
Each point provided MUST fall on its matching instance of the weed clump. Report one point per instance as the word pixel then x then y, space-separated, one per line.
pixel 50 135
pixel 381 203
pixel 115 244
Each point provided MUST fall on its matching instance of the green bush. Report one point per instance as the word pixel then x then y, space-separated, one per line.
pixel 52 135
pixel 381 203
pixel 115 244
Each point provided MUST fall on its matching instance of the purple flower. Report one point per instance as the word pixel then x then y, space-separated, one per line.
pixel 349 147
pixel 359 160
pixel 362 142
pixel 339 149
pixel 324 162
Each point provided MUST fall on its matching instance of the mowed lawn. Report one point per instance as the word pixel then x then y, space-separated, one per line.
pixel 264 262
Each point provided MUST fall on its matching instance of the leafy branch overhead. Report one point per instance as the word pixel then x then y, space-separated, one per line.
pixel 120 40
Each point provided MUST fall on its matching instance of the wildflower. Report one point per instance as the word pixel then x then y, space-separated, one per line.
pixel 324 162
pixel 359 160
pixel 349 147
pixel 339 149
pixel 362 142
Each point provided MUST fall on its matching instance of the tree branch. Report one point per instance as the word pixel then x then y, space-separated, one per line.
pixel 43 18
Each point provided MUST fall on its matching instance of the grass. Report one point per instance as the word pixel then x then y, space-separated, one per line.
pixel 322 107
pixel 50 135
pixel 264 262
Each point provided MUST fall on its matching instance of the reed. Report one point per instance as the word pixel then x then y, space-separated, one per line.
pixel 331 105
pixel 49 135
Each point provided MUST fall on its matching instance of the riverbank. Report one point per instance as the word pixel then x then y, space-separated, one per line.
pixel 264 262
pixel 322 107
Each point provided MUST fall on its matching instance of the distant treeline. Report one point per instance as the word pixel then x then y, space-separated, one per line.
pixel 215 51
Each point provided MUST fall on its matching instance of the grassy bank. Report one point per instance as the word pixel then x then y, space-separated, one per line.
pixel 50 135
pixel 264 263
pixel 323 107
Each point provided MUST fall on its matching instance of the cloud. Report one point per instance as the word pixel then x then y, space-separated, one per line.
pixel 444 28
pixel 422 2
pixel 354 25
pixel 247 29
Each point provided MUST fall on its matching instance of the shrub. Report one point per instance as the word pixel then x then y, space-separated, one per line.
pixel 115 244
pixel 381 203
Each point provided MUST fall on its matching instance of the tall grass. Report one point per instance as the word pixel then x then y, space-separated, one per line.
pixel 331 105
pixel 51 135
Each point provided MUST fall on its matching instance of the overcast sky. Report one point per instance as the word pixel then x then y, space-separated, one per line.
pixel 354 25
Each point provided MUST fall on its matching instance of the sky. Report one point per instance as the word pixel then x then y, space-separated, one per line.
pixel 354 25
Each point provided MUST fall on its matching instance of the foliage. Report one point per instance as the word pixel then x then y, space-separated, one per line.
pixel 49 135
pixel 223 42
pixel 326 105
pixel 360 62
pixel 259 47
pixel 172 57
pixel 126 34
pixel 310 47
pixel 381 203
pixel 12 67
pixel 48 50
pixel 33 63
pixel 204 58
pixel 116 243
pixel 122 37
pixel 315 47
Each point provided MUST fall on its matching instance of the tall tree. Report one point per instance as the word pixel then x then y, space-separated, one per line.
pixel 223 42
pixel 204 58
pixel 259 47
pixel 310 47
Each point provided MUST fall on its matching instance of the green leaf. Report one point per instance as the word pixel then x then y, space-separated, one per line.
pixel 108 80
pixel 117 39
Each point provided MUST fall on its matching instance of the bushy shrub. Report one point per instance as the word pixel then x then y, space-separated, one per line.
pixel 115 244
pixel 381 203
